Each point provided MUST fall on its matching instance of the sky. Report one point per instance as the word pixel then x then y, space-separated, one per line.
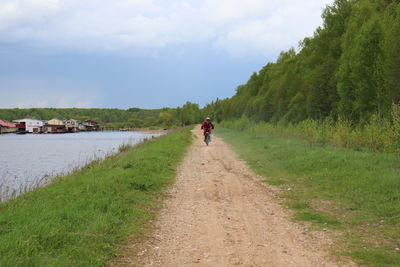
pixel 141 53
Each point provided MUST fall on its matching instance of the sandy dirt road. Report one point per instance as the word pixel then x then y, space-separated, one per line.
pixel 220 214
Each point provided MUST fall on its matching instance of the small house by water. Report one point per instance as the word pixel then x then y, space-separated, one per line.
pixel 6 127
pixel 29 126
pixel 89 125
pixel 71 125
pixel 55 126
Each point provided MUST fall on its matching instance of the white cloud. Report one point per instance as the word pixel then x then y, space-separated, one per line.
pixel 256 27
pixel 283 27
pixel 17 13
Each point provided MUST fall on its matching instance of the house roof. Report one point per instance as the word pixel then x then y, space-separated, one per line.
pixel 7 124
pixel 55 121
pixel 25 119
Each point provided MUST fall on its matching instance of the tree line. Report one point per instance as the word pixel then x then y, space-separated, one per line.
pixel 349 70
pixel 187 114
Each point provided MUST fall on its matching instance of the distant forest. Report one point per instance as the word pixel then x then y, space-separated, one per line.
pixel 189 113
pixel 349 70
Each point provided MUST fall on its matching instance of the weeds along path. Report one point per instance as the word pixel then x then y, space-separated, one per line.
pixel 218 214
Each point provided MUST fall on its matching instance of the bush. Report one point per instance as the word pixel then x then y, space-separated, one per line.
pixel 378 135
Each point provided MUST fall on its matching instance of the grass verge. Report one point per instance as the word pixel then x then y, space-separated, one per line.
pixel 80 220
pixel 355 192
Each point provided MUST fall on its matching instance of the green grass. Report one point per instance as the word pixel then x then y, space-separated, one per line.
pixel 81 219
pixel 274 181
pixel 354 192
pixel 316 218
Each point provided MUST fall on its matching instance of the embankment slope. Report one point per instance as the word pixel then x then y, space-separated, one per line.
pixel 82 219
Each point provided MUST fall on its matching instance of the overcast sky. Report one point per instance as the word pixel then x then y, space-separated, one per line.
pixel 141 53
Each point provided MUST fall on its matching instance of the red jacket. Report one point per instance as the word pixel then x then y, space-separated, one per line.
pixel 207 127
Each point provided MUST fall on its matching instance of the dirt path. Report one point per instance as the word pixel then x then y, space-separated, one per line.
pixel 220 215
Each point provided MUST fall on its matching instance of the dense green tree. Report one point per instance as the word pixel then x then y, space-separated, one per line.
pixel 189 113
pixel 349 68
pixel 389 60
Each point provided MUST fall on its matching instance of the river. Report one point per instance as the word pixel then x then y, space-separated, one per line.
pixel 31 160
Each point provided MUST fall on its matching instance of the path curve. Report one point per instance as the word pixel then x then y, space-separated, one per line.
pixel 219 214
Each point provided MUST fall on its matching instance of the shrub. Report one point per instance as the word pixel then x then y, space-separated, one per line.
pixel 377 135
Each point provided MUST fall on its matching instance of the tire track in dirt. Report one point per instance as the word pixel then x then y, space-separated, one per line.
pixel 219 214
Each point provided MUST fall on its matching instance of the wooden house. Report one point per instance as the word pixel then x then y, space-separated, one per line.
pixel 6 127
pixel 81 126
pixel 93 125
pixel 55 126
pixel 88 125
pixel 71 125
pixel 29 126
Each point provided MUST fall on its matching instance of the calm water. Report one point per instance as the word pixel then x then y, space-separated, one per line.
pixel 32 159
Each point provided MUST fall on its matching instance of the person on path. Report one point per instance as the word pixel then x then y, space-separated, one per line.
pixel 207 126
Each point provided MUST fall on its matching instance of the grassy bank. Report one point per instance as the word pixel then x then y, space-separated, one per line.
pixel 80 219
pixel 378 134
pixel 354 192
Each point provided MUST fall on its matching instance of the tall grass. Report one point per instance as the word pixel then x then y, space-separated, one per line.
pixel 378 134
pixel 80 219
